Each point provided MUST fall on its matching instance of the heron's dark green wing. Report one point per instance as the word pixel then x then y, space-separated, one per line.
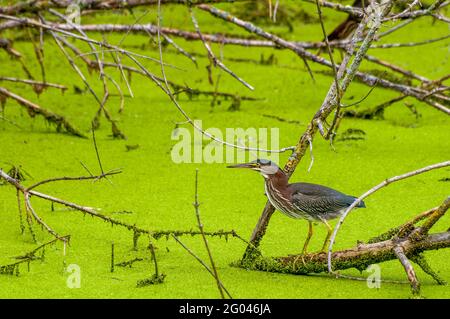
pixel 319 205
pixel 314 190
pixel 319 200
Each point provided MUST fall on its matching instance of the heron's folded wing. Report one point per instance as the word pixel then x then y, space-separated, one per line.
pixel 320 204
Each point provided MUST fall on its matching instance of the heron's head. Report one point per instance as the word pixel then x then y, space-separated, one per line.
pixel 265 167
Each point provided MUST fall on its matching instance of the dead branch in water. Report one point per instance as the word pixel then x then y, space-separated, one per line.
pixel 406 242
pixel 34 109
pixel 156 234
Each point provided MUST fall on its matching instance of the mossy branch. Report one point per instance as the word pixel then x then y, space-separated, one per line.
pixel 359 257
pixel 34 109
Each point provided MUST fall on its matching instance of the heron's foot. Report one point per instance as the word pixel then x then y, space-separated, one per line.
pixel 314 254
pixel 302 257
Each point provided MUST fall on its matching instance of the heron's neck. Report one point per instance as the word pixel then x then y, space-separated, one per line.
pixel 279 180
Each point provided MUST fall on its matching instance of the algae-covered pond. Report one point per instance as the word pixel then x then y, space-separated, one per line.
pixel 154 192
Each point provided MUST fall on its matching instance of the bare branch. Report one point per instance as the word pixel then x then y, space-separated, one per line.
pixel 400 253
pixel 201 262
pixel 340 7
pixel 435 216
pixel 408 44
pixel 95 5
pixel 213 57
pixel 205 241
pixel 180 49
pixel 34 109
pixel 77 178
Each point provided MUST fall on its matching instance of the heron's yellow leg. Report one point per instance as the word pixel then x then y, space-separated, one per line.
pixel 308 239
pixel 327 239
pixel 305 245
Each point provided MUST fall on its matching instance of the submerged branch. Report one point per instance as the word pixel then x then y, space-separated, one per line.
pixel 34 109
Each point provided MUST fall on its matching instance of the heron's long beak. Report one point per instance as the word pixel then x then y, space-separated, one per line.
pixel 244 165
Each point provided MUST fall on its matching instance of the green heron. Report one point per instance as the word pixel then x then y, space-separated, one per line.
pixel 315 203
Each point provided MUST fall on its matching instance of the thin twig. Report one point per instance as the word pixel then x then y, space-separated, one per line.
pixel 33 82
pixel 180 49
pixel 96 152
pixel 201 262
pixel 205 241
pixel 77 178
pixel 409 44
pixel 213 57
pixel 30 209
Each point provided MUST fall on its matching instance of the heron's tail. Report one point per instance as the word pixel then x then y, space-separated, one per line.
pixel 361 204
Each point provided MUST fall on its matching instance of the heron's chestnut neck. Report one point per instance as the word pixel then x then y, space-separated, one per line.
pixel 278 180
